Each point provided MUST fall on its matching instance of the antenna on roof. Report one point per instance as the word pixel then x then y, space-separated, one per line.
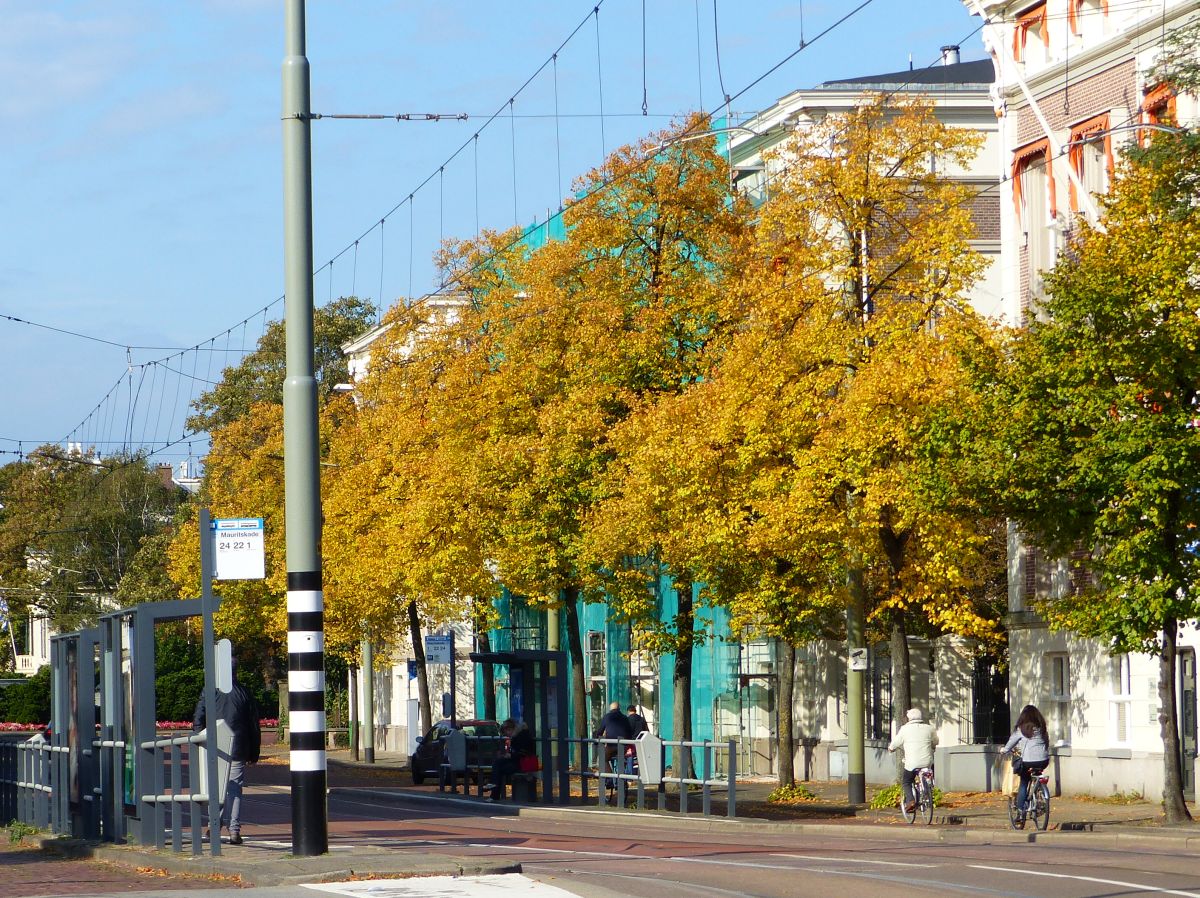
pixel 910 65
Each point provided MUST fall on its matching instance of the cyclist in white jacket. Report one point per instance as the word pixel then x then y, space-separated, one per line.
pixel 917 740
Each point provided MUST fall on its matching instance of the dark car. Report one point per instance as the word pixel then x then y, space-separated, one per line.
pixel 431 752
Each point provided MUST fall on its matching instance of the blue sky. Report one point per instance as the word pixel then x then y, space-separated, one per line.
pixel 142 161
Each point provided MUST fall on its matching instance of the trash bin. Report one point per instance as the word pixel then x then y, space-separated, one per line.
pixel 649 758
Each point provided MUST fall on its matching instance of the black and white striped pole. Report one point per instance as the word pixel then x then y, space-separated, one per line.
pixel 302 492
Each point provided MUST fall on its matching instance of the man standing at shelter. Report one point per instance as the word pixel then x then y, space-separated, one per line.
pixel 917 739
pixel 240 713
pixel 613 725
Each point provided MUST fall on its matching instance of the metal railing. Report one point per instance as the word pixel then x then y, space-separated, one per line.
pixel 164 802
pixel 28 772
pixel 614 782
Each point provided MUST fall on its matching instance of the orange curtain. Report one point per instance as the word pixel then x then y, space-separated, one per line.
pixel 1037 152
pixel 1033 17
pixel 1095 125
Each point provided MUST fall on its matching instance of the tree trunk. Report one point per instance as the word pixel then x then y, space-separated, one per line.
pixel 681 680
pixel 785 663
pixel 489 679
pixel 1174 806
pixel 575 647
pixel 901 673
pixel 418 644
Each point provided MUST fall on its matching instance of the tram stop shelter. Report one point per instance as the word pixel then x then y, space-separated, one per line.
pixel 538 697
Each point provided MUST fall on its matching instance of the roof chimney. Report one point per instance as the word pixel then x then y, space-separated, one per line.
pixel 950 54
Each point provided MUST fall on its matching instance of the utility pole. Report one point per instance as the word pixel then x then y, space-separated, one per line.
pixel 368 700
pixel 302 485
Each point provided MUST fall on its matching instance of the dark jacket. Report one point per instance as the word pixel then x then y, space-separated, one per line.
pixel 614 725
pixel 522 743
pixel 240 712
pixel 637 725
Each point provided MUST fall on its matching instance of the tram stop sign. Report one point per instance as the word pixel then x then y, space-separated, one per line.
pixel 238 552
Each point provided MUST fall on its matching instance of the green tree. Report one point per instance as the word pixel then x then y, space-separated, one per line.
pixel 1098 414
pixel 72 527
pixel 259 376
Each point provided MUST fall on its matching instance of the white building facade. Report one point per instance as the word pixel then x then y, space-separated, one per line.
pixel 1071 89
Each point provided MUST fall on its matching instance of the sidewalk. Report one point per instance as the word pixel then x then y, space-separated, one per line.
pixel 974 818
pixel 982 814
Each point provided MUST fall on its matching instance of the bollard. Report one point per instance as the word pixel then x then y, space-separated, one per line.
pixel 731 810
pixel 706 789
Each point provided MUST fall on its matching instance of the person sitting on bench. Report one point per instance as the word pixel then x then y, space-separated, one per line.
pixel 518 753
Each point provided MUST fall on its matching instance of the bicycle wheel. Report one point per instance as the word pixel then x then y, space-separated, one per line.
pixel 925 808
pixel 1015 817
pixel 909 816
pixel 1041 806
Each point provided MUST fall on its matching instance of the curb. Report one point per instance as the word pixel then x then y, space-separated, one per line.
pixel 953 833
pixel 279 871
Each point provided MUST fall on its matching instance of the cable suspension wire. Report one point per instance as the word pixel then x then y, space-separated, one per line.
pixel 600 83
pixel 381 253
pixel 645 91
pixel 474 141
pixel 513 127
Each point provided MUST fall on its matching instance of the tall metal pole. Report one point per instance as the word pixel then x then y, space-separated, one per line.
pixel 856 731
pixel 207 609
pixel 368 701
pixel 302 488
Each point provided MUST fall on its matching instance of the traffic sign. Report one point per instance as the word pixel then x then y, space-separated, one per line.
pixel 438 649
pixel 239 552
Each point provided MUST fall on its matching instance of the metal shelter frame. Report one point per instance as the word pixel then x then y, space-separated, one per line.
pixel 543 676
pixel 100 777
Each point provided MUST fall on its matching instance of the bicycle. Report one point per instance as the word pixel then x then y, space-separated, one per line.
pixel 922 793
pixel 1037 802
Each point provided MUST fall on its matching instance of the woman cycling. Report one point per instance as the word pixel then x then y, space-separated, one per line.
pixel 1032 747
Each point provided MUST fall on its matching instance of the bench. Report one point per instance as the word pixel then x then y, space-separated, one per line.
pixel 525 786
pixel 448 777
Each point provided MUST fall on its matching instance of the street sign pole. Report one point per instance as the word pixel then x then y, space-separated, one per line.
pixel 207 608
pixel 302 492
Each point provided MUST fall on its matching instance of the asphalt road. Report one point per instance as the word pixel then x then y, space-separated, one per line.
pixel 611 855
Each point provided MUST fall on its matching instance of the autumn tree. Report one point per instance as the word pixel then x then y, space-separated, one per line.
pixel 1098 414
pixel 258 377
pixel 593 327
pixel 71 527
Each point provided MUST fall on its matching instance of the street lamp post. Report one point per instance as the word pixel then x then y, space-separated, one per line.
pixel 302 494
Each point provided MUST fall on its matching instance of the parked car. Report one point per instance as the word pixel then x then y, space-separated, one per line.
pixel 431 751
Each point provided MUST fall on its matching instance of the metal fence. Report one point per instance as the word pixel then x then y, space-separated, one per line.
pixel 616 774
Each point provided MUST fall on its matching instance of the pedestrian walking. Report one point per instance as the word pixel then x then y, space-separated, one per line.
pixel 240 713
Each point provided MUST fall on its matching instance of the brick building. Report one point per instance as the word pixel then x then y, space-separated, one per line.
pixel 1071 89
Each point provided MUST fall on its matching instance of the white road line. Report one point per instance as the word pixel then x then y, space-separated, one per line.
pixel 503 886
pixel 612 854
pixel 853 860
pixel 1108 882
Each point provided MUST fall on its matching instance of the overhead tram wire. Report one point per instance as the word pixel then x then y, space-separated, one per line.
pixel 594 13
pixel 473 141
pixel 609 183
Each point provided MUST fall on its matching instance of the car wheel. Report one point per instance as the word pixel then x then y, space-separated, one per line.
pixel 418 776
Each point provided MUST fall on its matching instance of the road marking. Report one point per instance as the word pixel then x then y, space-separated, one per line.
pixel 853 860
pixel 1108 882
pixel 502 886
pixel 612 854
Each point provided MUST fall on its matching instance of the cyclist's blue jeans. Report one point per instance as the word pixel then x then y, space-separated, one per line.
pixel 1026 774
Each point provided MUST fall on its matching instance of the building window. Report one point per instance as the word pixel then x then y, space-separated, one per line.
pixel 1031 24
pixel 1091 157
pixel 1158 108
pixel 596 655
pixel 1059 677
pixel 1086 15
pixel 1036 207
pixel 1121 700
